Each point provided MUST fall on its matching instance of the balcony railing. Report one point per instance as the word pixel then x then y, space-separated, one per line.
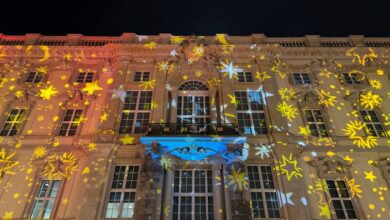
pixel 174 129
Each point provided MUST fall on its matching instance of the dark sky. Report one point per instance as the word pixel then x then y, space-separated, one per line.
pixel 202 17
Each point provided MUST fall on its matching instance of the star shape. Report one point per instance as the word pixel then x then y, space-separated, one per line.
pixel 103 117
pixel 262 76
pixel 127 139
pixel 230 69
pixel 285 198
pixel 369 176
pixel 48 92
pixel 283 167
pixel 90 88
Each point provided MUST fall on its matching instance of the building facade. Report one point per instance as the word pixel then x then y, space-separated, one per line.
pixel 194 127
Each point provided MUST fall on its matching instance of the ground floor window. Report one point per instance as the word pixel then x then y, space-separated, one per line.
pixel 341 200
pixel 263 193
pixel 44 200
pixel 193 195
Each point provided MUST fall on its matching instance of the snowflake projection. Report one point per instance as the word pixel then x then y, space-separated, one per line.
pixel 177 40
pixel 150 45
pixel 60 166
pixel 166 66
pixel 198 51
pixel 6 162
pixel 148 84
pixel 325 98
pixel 362 142
pixel 376 84
pixel 263 150
pixel 237 180
pixel 354 188
pixel 287 93
pixel 289 167
pixel 370 100
pixel 39 152
pixel 230 69
pixel 360 58
pixel 47 93
pixel 166 162
pixel 287 110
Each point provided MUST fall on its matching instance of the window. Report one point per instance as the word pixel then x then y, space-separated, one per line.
pixel 245 77
pixel 193 195
pixel 264 198
pixel 301 78
pixel 351 78
pixel 34 77
pixel 13 122
pixel 341 200
pixel 136 112
pixel 122 192
pixel 84 77
pixel 44 200
pixel 316 123
pixel 71 122
pixel 372 122
pixel 250 112
pixel 141 76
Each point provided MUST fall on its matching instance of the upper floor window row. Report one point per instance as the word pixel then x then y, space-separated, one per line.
pixel 34 77
pixel 245 77
pixel 141 76
pixel 85 77
pixel 301 78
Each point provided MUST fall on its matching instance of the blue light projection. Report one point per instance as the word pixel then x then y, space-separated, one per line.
pixel 197 148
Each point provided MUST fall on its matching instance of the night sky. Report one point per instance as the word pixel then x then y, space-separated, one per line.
pixel 203 17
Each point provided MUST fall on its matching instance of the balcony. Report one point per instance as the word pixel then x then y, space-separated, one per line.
pixel 174 129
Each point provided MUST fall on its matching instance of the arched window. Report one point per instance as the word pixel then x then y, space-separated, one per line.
pixel 193 106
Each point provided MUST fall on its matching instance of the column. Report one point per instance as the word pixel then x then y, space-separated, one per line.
pixel 173 104
pixel 167 194
pixel 213 105
pixel 219 211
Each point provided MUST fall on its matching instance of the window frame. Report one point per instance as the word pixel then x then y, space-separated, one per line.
pixel 21 123
pixel 245 76
pixel 46 198
pixel 251 112
pixel 373 123
pixel 70 122
pixel 311 109
pixel 37 73
pixel 142 76
pixel 340 198
pixel 123 190
pixel 136 112
pixel 193 194
pixel 311 82
pixel 263 190
pixel 76 78
pixel 353 80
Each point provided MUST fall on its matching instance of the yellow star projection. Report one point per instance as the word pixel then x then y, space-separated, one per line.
pixel 48 92
pixel 352 129
pixel 237 180
pixel 370 100
pixel 288 111
pixel 90 88
pixel 7 163
pixel 326 98
pixel 289 167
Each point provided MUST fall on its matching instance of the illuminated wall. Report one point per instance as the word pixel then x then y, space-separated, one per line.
pixel 324 115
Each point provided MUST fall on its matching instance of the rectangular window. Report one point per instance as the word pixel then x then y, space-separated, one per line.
pixel 250 112
pixel 70 122
pixel 141 76
pixel 136 112
pixel 263 193
pixel 316 123
pixel 351 78
pixel 192 195
pixel 301 78
pixel 245 77
pixel 341 200
pixel 44 200
pixel 13 122
pixel 34 77
pixel 373 123
pixel 122 192
pixel 85 77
